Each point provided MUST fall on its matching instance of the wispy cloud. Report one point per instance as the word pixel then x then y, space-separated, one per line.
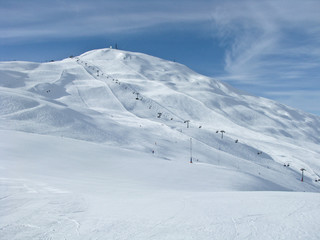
pixel 56 18
pixel 269 39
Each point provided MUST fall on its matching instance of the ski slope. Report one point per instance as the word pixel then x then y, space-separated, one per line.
pixel 98 147
pixel 60 188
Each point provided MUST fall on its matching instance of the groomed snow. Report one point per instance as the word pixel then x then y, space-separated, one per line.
pixel 59 188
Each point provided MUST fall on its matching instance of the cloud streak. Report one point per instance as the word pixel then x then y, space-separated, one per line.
pixel 262 36
pixel 82 18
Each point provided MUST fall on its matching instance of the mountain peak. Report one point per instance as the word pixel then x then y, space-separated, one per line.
pixel 134 100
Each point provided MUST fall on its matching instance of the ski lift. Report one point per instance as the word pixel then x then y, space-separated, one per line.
pixel 187 122
pixel 222 132
pixel 159 115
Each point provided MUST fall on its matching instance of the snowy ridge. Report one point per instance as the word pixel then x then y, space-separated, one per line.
pixel 117 125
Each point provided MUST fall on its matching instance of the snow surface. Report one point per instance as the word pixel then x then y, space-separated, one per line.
pixel 76 157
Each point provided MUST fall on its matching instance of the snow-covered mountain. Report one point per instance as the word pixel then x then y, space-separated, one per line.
pixel 117 97
pixel 112 117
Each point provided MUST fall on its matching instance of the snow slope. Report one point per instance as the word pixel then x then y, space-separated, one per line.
pixel 91 173
pixel 60 188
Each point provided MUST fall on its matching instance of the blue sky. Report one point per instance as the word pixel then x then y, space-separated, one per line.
pixel 267 48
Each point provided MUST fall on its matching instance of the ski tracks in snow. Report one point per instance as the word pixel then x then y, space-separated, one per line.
pixel 34 210
pixel 153 230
